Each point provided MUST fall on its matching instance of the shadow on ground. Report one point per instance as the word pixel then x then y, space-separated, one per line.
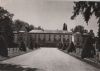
pixel 10 67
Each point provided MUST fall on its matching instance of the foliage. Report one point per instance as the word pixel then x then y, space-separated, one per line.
pixel 30 27
pixel 6 26
pixel 99 31
pixel 19 24
pixel 39 28
pixel 78 28
pixel 4 13
pixel 87 9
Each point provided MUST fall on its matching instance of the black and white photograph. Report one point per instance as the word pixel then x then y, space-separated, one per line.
pixel 49 35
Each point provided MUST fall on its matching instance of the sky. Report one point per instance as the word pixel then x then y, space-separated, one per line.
pixel 49 14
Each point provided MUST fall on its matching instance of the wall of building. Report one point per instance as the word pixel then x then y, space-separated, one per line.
pixel 51 38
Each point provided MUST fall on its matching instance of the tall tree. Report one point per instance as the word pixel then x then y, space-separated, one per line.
pixel 87 9
pixel 65 27
pixel 6 26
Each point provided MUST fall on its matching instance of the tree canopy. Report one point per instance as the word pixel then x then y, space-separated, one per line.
pixel 78 28
pixel 6 26
pixel 19 24
pixel 87 9
pixel 4 14
pixel 30 27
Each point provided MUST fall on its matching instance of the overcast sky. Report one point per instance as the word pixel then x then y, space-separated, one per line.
pixel 49 14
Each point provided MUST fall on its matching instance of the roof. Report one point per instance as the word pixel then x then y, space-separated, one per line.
pixel 14 31
pixel 49 31
pixel 36 31
pixel 19 32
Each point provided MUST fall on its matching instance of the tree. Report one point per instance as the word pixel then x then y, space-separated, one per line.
pixel 19 24
pixel 40 28
pixel 99 31
pixel 65 27
pixel 87 9
pixel 30 27
pixel 4 13
pixel 78 28
pixel 6 26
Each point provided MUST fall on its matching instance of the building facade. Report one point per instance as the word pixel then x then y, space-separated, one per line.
pixel 50 37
